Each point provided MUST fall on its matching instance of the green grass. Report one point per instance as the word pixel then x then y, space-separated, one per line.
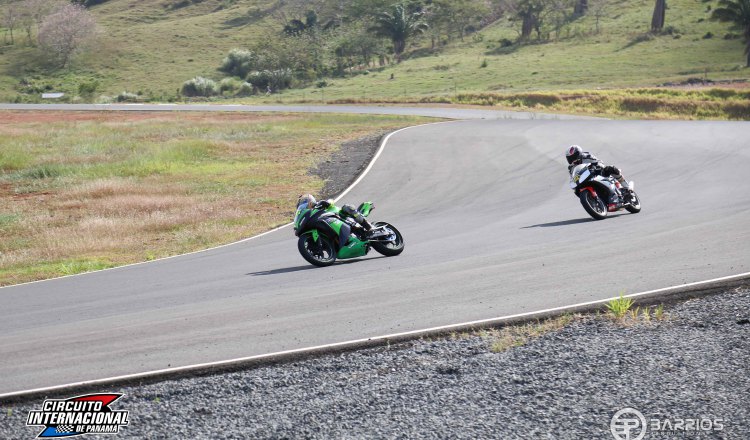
pixel 580 60
pixel 619 307
pixel 81 266
pixel 89 191
pixel 152 48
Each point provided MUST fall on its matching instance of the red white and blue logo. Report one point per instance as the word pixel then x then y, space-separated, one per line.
pixel 89 414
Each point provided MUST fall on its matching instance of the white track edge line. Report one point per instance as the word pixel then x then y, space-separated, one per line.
pixel 443 328
pixel 361 176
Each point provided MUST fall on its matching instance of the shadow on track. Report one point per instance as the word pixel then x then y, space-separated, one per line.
pixel 561 223
pixel 310 266
pixel 575 221
pixel 284 270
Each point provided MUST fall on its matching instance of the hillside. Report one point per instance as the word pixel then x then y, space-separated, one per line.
pixel 153 46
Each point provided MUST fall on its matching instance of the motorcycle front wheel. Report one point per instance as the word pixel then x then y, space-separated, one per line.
pixel 635 203
pixel 321 253
pixel 392 247
pixel 594 205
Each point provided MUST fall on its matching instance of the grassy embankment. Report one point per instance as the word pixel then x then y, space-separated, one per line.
pixel 153 47
pixel 87 191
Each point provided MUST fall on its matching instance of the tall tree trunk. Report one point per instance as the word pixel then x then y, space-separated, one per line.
pixel 657 21
pixel 398 47
pixel 580 8
pixel 527 26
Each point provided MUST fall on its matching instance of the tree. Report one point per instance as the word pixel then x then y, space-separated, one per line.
pixel 657 20
pixel 581 7
pixel 460 15
pixel 33 13
pixel 399 24
pixel 529 13
pixel 66 32
pixel 297 26
pixel 736 12
pixel 11 19
pixel 599 9
pixel 558 15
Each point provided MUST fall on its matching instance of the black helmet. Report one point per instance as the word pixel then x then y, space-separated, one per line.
pixel 573 154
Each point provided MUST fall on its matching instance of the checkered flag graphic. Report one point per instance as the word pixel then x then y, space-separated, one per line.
pixel 64 429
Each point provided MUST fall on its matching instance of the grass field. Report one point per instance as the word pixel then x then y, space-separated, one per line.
pixel 86 191
pixel 152 47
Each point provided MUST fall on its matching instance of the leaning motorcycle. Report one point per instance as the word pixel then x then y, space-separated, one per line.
pixel 601 195
pixel 319 229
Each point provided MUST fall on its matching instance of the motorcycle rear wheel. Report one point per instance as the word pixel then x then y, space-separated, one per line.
pixel 321 254
pixel 390 248
pixel 594 205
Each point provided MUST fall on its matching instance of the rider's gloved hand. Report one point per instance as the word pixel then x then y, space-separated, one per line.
pixel 324 204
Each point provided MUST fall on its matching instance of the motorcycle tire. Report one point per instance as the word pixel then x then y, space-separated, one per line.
pixel 595 206
pixel 321 254
pixel 393 247
pixel 635 205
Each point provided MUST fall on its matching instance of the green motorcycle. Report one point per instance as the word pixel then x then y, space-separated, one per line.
pixel 326 233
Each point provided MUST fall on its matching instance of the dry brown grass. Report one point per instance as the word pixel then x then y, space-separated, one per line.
pixel 93 190
pixel 508 337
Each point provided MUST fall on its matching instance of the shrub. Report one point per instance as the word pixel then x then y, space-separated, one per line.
pixel 88 88
pixel 127 97
pixel 104 99
pixel 230 85
pixel 245 89
pixel 273 79
pixel 708 35
pixel 240 62
pixel 199 86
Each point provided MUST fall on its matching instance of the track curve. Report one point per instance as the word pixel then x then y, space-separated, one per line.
pixel 491 229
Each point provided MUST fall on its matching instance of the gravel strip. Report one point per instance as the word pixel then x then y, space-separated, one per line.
pixel 568 383
pixel 346 164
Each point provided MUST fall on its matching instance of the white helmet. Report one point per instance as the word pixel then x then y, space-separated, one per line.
pixel 306 201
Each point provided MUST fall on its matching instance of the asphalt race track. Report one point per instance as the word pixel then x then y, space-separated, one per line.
pixel 491 229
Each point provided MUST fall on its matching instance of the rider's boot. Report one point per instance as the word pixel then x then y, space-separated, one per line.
pixel 624 183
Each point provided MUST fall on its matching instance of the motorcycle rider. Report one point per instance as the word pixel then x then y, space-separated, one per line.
pixel 307 201
pixel 576 156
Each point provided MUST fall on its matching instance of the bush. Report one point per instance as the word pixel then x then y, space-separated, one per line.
pixel 199 86
pixel 246 89
pixel 127 97
pixel 708 35
pixel 88 88
pixel 104 99
pixel 240 62
pixel 229 85
pixel 273 79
